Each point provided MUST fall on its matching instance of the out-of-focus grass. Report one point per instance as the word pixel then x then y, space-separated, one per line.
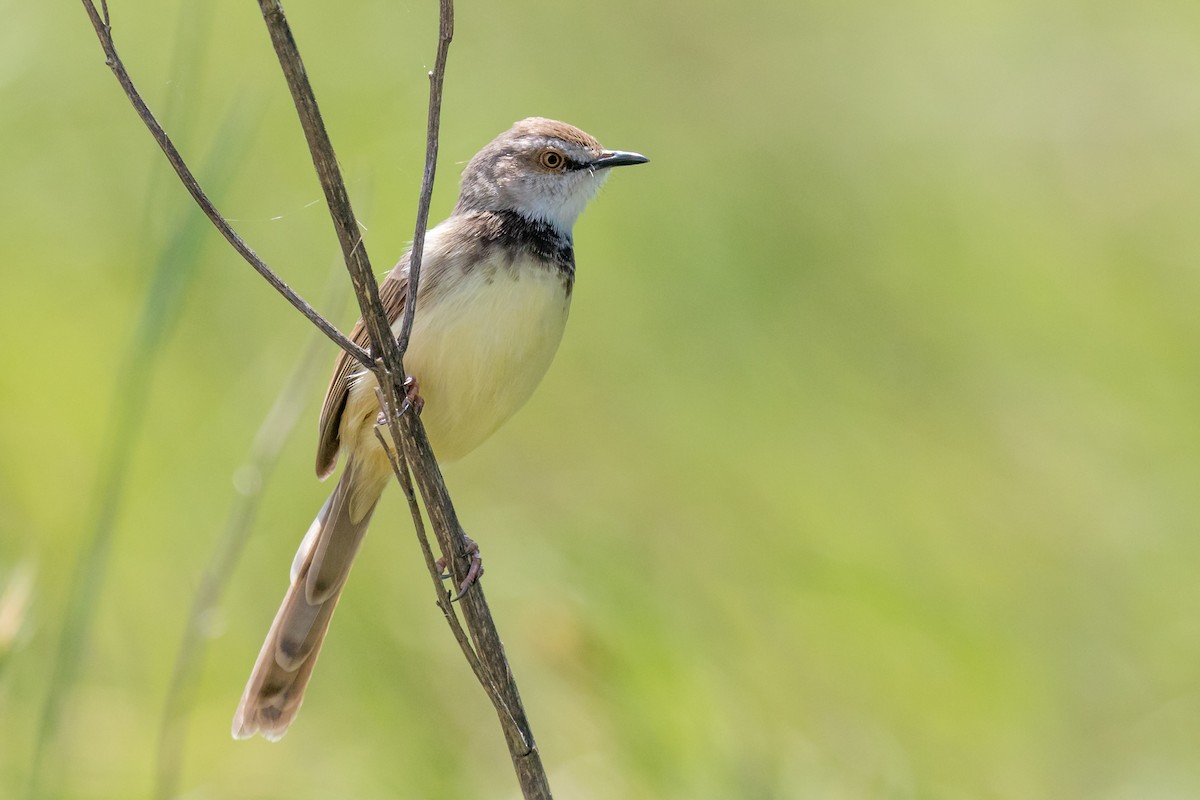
pixel 175 269
pixel 867 467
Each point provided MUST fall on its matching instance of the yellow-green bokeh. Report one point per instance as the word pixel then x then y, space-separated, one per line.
pixel 868 467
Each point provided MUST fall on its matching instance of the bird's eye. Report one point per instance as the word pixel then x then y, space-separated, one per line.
pixel 552 159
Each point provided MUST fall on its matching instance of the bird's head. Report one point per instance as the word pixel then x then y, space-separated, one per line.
pixel 542 169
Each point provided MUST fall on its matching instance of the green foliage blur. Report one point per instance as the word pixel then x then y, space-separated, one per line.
pixel 868 467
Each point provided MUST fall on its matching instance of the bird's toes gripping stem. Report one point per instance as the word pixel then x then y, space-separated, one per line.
pixel 474 572
pixel 412 401
pixel 412 396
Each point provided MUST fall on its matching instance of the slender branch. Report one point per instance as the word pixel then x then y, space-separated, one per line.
pixel 501 685
pixel 354 251
pixel 412 443
pixel 489 664
pixel 444 602
pixel 103 28
pixel 436 80
pixel 400 468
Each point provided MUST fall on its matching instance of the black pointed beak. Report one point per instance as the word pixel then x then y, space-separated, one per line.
pixel 617 158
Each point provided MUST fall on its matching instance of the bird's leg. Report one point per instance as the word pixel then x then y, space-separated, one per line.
pixel 412 396
pixel 474 572
pixel 412 400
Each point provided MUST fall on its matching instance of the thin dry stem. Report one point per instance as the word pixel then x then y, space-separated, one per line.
pixel 489 663
pixel 102 24
pixel 400 468
pixel 413 443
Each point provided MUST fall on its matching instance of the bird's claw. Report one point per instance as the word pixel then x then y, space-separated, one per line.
pixel 474 571
pixel 412 396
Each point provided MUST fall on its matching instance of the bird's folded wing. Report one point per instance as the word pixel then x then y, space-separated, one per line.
pixel 392 293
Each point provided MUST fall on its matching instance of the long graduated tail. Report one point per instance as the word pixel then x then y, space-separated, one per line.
pixel 285 663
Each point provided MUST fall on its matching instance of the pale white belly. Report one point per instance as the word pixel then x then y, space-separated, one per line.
pixel 478 351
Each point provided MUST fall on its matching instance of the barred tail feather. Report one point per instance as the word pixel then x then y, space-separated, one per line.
pixel 285 663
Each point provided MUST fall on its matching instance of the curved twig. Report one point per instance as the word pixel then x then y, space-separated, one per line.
pixel 101 23
pixel 484 652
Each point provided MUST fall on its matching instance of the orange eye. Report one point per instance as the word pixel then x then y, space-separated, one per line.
pixel 552 159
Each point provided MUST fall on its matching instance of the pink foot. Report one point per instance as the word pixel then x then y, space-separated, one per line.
pixel 474 572
pixel 412 396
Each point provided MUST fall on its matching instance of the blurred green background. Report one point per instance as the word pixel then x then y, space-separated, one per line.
pixel 868 467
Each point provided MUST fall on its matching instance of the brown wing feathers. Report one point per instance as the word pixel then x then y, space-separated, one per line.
pixel 392 294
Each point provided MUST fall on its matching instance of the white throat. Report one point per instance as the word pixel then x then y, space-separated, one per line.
pixel 558 203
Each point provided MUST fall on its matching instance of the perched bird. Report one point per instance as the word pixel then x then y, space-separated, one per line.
pixel 495 287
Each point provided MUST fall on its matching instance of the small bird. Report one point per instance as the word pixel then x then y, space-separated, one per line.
pixel 495 288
